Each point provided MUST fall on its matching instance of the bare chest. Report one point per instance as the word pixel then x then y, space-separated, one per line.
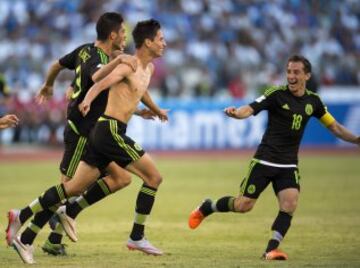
pixel 139 81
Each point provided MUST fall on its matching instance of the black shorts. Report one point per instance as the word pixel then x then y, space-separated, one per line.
pixel 74 149
pixel 259 176
pixel 108 142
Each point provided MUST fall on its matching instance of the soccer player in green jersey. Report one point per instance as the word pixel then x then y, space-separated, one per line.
pixel 289 109
pixel 91 62
pixel 108 146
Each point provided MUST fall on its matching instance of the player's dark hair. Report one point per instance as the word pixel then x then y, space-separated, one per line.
pixel 305 61
pixel 107 23
pixel 146 29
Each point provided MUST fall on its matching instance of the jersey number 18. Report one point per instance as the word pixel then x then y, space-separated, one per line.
pixel 296 124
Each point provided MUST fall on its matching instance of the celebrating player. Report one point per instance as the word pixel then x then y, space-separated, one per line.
pixel 109 147
pixel 289 109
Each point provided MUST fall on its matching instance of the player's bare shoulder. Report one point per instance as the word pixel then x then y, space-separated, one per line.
pixel 124 70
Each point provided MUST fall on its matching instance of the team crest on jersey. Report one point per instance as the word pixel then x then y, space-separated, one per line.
pixel 309 109
pixel 137 147
pixel 84 55
pixel 251 189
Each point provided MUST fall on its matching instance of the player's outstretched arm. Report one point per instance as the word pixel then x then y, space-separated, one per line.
pixel 9 120
pixel 239 113
pixel 145 113
pixel 161 113
pixel 119 73
pixel 46 91
pixel 343 133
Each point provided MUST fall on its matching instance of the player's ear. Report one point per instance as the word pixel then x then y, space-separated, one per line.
pixel 112 36
pixel 148 42
pixel 308 75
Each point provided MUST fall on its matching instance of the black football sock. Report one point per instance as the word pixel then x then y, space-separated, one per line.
pixel 51 197
pixel 56 235
pixel 144 204
pixel 97 192
pixel 224 204
pixel 40 219
pixel 280 227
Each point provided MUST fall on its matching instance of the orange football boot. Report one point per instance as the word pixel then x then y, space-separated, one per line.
pixel 275 254
pixel 195 218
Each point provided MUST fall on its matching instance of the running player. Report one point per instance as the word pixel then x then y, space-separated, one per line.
pixel 289 109
pixel 91 64
pixel 108 143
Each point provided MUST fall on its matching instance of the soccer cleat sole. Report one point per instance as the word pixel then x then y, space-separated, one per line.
pixel 53 252
pixel 275 255
pixel 21 257
pixel 143 250
pixel 11 218
pixel 17 251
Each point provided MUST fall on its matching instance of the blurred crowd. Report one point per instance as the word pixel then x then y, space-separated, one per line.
pixel 216 48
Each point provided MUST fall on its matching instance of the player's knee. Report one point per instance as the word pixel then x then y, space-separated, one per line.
pixel 120 182
pixel 157 180
pixel 243 206
pixel 154 180
pixel 64 178
pixel 70 190
pixel 288 206
pixel 125 181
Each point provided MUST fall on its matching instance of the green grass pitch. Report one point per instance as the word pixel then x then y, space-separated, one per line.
pixel 325 231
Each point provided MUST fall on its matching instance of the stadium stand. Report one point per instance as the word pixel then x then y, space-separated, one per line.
pixel 230 49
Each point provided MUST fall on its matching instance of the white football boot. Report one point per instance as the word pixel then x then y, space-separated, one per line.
pixel 68 223
pixel 25 251
pixel 145 246
pixel 14 225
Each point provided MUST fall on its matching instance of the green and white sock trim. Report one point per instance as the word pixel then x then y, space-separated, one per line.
pixel 35 206
pixel 147 191
pixel 36 229
pixel 140 218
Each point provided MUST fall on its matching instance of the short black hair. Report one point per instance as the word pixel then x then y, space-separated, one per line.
pixel 107 23
pixel 305 61
pixel 146 29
